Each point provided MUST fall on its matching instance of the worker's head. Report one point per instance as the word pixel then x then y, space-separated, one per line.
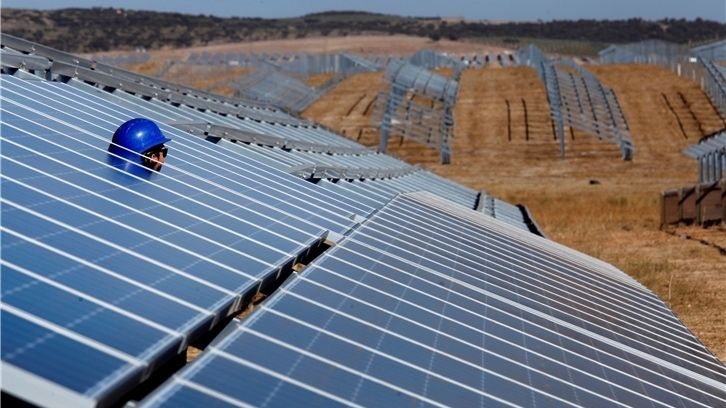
pixel 140 141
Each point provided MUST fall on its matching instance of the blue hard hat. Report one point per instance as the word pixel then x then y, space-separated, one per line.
pixel 138 136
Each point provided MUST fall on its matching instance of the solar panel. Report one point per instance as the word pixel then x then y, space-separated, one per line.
pixel 165 256
pixel 431 60
pixel 578 100
pixel 398 112
pixel 271 85
pixel 430 304
pixel 408 76
pixel 377 193
pixel 713 144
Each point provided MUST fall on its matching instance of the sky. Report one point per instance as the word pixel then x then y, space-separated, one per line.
pixel 518 10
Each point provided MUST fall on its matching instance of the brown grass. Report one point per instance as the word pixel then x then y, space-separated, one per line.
pixel 347 107
pixel 592 201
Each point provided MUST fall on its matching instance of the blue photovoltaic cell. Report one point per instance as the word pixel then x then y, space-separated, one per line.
pixel 89 319
pixel 55 357
pixel 191 398
pixel 133 296
pixel 444 306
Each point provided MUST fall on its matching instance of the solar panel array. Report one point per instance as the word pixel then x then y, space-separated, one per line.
pixel 660 52
pixel 276 79
pixel 109 270
pixel 418 107
pixel 166 255
pixel 428 304
pixel 344 64
pixel 317 63
pixel 711 156
pixel 578 100
pixel 433 60
pixel 588 105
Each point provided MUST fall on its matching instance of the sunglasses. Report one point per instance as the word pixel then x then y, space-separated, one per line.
pixel 163 150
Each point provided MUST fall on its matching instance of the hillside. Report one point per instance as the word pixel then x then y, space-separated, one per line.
pixel 102 29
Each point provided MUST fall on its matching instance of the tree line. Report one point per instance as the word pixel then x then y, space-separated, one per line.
pixel 102 29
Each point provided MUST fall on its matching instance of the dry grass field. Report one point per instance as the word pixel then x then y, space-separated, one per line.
pixel 347 107
pixel 592 201
pixel 364 44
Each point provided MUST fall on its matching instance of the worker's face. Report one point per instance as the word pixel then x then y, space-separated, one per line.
pixel 156 158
